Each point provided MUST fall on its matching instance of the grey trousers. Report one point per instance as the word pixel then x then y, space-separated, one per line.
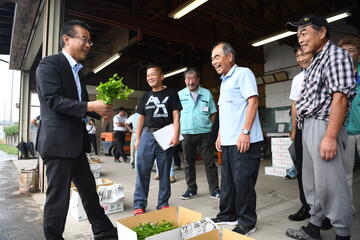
pixel 326 188
pixel 353 144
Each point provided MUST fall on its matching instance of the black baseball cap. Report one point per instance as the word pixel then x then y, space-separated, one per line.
pixel 306 20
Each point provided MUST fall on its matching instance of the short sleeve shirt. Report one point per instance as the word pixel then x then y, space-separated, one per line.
pixel 195 115
pixel 157 107
pixel 296 86
pixel 133 119
pixel 118 119
pixel 236 87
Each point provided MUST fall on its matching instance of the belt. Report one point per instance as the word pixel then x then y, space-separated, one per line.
pixel 151 129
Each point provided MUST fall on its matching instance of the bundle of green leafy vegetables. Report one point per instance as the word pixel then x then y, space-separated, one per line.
pixel 145 230
pixel 113 89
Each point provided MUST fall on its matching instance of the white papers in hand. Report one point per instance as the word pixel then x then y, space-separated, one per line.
pixel 164 135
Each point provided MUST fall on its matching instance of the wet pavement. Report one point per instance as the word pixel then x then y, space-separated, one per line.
pixel 20 217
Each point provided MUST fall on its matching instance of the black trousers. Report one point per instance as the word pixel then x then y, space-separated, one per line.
pixel 239 173
pixel 93 142
pixel 120 142
pixel 298 165
pixel 60 172
pixel 201 142
pixel 176 156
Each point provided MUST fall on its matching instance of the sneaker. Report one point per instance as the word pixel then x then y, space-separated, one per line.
pixel 138 211
pixel 156 177
pixel 224 222
pixel 172 179
pixel 299 234
pixel 300 215
pixel 164 207
pixel 215 195
pixel 243 231
pixel 116 160
pixel 188 195
pixel 132 165
pixel 111 234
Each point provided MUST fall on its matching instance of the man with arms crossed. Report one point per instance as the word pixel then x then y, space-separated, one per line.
pixel 326 95
pixel 239 138
pixel 62 137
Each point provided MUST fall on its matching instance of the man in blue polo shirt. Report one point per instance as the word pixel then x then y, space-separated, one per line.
pixel 196 119
pixel 240 140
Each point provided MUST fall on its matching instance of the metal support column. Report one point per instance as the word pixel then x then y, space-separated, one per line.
pixel 24 106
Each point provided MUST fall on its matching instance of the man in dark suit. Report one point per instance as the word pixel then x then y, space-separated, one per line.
pixel 62 138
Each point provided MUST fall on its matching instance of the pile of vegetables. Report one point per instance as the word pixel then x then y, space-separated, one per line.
pixel 113 89
pixel 145 230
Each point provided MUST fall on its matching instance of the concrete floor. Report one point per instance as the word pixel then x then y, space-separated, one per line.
pixel 276 199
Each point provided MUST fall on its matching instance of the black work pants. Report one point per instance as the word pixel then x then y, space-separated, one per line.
pixel 239 173
pixel 298 165
pixel 60 172
pixel 93 142
pixel 120 142
pixel 201 142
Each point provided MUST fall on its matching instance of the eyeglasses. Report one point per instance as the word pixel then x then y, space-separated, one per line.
pixel 84 40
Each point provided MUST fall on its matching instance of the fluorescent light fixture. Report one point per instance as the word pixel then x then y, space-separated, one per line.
pixel 172 73
pixel 273 38
pixel 338 17
pixel 288 33
pixel 107 62
pixel 186 8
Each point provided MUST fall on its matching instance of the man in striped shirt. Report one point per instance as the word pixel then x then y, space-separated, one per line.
pixel 326 95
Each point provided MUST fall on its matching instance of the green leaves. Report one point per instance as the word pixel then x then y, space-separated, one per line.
pixel 148 229
pixel 12 129
pixel 113 89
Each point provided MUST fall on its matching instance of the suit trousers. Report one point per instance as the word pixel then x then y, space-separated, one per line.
pixel 93 142
pixel 60 172
pixel 201 142
pixel 298 166
pixel 325 186
pixel 239 173
pixel 120 142
pixel 148 150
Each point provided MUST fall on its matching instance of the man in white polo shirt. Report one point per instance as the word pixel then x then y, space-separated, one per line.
pixel 120 130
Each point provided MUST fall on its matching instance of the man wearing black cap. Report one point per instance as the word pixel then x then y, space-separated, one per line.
pixel 326 95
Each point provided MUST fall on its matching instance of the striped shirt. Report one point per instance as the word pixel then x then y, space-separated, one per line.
pixel 330 71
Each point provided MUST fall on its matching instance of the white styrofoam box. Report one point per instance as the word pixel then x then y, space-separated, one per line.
pixel 95 169
pixel 76 207
pixel 282 163
pixel 281 141
pixel 279 148
pixel 281 156
pixel 276 171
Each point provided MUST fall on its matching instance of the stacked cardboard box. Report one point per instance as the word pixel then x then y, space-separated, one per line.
pixel 225 234
pixel 111 198
pixel 281 159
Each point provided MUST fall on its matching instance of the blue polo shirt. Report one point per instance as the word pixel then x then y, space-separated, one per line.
pixel 236 87
pixel 195 115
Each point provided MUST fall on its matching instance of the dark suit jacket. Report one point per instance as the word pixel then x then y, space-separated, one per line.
pixel 62 132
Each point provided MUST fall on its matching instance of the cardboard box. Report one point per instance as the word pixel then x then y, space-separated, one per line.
pixel 98 182
pixel 276 171
pixel 76 207
pixel 95 169
pixel 179 216
pixel 226 235
pixel 281 156
pixel 282 163
pixel 281 141
pixel 279 148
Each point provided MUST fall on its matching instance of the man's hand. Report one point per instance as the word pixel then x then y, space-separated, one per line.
pixel 174 141
pixel 136 144
pixel 328 148
pixel 218 144
pixel 104 110
pixel 292 135
pixel 243 143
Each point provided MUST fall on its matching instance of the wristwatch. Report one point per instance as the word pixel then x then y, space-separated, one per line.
pixel 245 131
